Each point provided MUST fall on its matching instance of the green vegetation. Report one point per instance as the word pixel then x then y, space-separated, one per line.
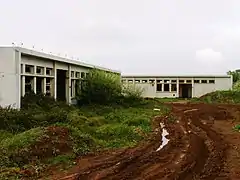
pixel 229 97
pixel 45 132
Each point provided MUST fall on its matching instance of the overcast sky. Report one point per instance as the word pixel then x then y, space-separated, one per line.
pixel 133 36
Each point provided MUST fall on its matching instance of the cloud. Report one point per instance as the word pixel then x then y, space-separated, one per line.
pixel 209 55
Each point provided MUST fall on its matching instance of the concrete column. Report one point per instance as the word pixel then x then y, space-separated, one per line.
pixel 192 87
pixel 44 85
pixel 23 85
pixel 68 85
pixel 177 87
pixel 170 87
pixel 35 79
pixel 155 85
pixel 55 81
pixel 162 86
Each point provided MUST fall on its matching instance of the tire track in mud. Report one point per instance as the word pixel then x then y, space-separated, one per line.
pixel 195 151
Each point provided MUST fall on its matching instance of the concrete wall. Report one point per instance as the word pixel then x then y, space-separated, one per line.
pixel 220 84
pixel 9 78
pixel 198 89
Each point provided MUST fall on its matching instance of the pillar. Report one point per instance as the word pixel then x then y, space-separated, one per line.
pixel 68 85
pixel 23 85
pixel 34 80
pixel 55 81
pixel 177 87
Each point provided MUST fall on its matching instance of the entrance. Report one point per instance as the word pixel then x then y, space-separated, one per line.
pixel 185 90
pixel 61 84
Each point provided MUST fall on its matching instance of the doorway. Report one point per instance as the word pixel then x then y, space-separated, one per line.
pixel 185 90
pixel 61 84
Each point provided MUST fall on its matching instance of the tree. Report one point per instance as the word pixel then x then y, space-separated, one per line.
pixel 235 74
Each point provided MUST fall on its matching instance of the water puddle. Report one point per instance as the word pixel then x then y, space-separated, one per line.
pixel 164 139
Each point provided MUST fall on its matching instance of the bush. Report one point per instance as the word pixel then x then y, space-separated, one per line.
pixel 222 97
pixel 105 88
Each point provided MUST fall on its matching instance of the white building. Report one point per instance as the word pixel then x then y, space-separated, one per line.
pixel 178 86
pixel 23 70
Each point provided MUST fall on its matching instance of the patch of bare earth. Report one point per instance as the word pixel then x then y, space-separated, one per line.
pixel 202 146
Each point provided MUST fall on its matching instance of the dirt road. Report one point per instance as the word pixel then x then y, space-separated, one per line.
pixel 202 146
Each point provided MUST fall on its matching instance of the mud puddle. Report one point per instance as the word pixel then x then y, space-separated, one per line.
pixel 164 139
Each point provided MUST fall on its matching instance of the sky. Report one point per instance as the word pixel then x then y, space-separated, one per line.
pixel 136 37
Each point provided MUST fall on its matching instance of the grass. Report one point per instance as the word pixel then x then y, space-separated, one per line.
pixel 226 97
pixel 90 128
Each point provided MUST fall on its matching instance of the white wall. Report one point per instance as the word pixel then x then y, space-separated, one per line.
pixel 9 78
pixel 220 84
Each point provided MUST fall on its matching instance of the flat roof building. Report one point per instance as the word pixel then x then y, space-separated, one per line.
pixel 23 70
pixel 179 86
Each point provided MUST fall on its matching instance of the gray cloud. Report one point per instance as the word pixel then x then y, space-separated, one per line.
pixel 136 37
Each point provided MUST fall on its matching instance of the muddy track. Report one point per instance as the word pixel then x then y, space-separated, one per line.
pixel 195 150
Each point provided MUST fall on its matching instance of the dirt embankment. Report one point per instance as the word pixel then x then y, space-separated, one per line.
pixel 202 146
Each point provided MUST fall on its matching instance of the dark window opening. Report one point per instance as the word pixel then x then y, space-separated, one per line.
pixel 29 69
pixel 72 74
pixel 166 87
pixel 137 81
pixel 204 81
pixel 159 81
pixel 77 75
pixel 28 84
pixel 159 87
pixel 196 81
pixel 181 81
pixel 61 85
pixel 212 81
pixel 189 81
pixel 39 85
pixel 39 70
pixel 174 87
pixel 151 81
pixel 166 81
pixel 49 71
pixel 82 74
pixel 144 81
pixel 174 81
pixel 130 81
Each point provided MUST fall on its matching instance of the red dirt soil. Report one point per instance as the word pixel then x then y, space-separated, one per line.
pixel 202 146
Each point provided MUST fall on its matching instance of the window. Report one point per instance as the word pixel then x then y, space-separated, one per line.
pixel 204 81
pixel 159 81
pixel 29 69
pixel 212 81
pixel 82 74
pixel 174 81
pixel 49 71
pixel 181 81
pixel 21 68
pixel 77 75
pixel 137 81
pixel 189 81
pixel 144 81
pixel 159 87
pixel 166 87
pixel 72 74
pixel 28 84
pixel 48 86
pixel 39 70
pixel 174 87
pixel 151 81
pixel 130 81
pixel 196 81
pixel 166 81
pixel 87 74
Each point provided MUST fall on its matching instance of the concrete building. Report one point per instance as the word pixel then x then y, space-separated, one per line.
pixel 23 70
pixel 178 86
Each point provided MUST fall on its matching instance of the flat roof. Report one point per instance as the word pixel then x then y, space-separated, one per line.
pixel 177 76
pixel 33 52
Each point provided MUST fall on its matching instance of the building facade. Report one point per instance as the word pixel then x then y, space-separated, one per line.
pixel 23 70
pixel 178 86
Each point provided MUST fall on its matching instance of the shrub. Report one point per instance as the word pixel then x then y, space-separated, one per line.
pixel 100 87
pixel 106 88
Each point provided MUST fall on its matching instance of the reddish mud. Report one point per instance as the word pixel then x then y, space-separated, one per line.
pixel 202 146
